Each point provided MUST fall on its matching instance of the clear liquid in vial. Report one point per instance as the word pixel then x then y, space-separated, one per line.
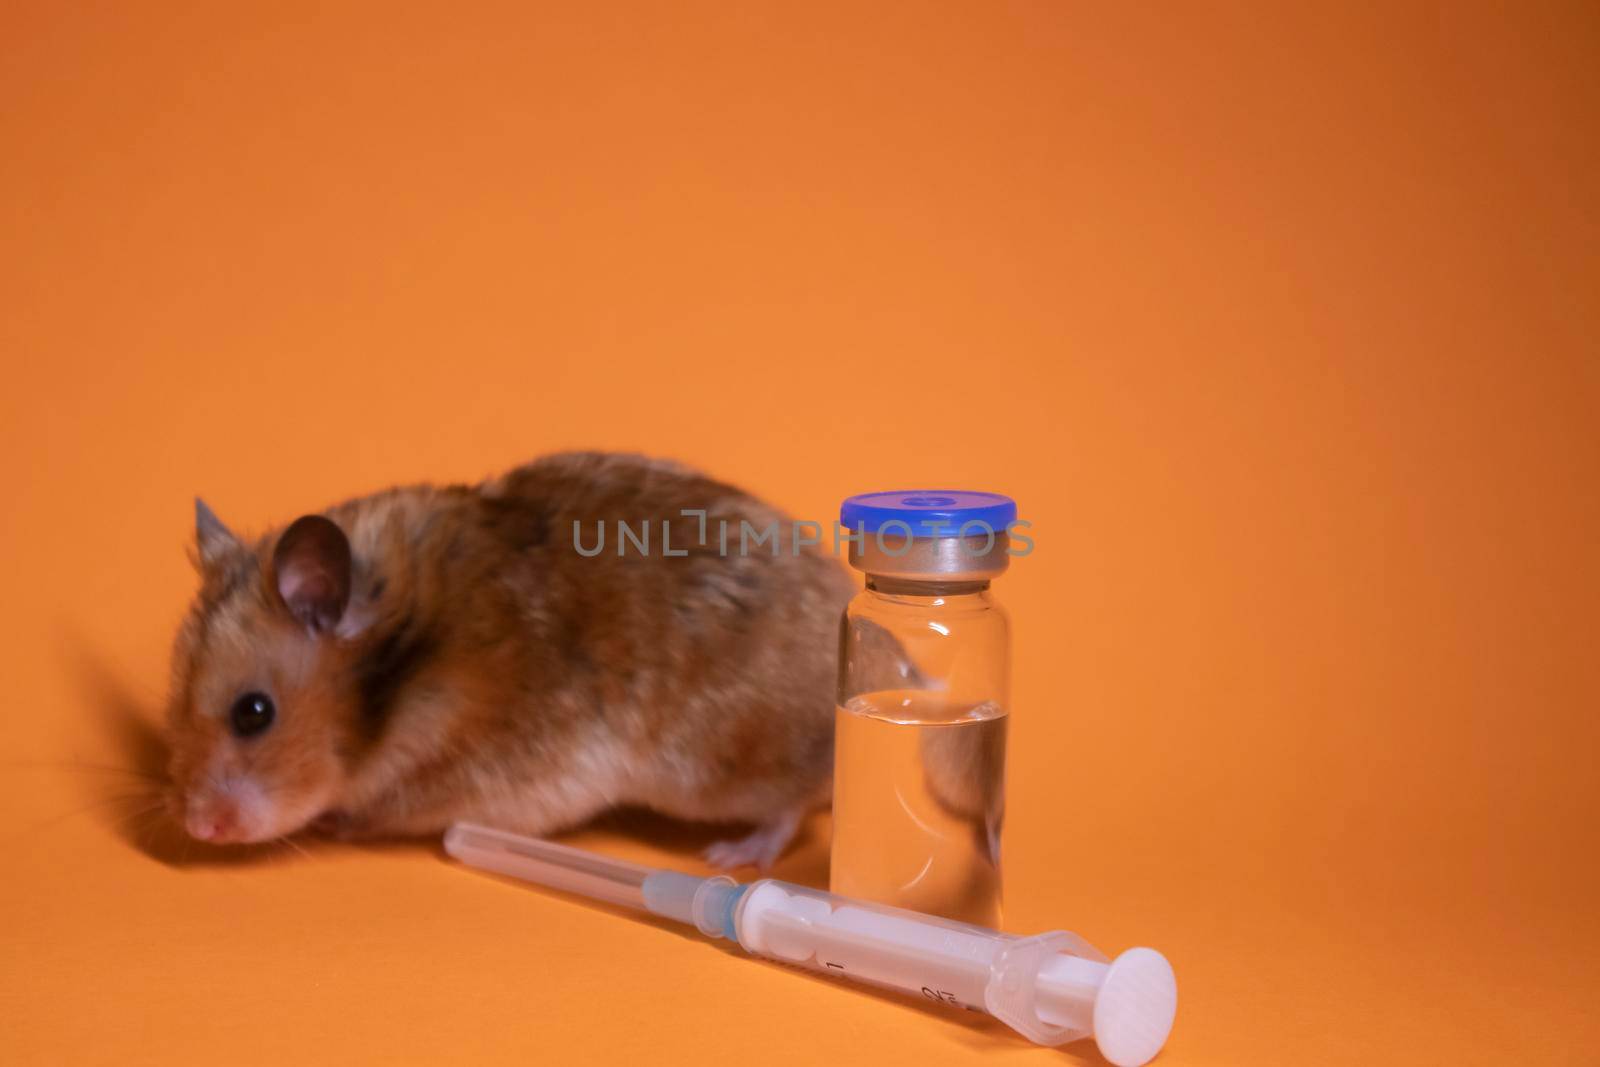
pixel 918 801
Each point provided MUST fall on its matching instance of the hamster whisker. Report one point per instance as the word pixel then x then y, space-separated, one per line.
pixel 94 805
pixel 295 845
pixel 138 817
pixel 147 823
pixel 86 768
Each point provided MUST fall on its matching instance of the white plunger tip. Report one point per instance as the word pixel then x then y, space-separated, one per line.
pixel 1133 1010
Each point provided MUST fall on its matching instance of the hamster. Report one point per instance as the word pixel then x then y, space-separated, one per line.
pixel 430 654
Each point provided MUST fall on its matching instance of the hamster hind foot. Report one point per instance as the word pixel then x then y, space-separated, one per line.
pixel 761 848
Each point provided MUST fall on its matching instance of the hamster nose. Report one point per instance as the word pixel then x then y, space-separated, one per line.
pixel 212 822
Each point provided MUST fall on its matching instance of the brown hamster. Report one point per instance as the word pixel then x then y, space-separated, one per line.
pixel 423 655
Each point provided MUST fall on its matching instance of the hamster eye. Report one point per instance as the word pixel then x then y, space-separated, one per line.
pixel 251 714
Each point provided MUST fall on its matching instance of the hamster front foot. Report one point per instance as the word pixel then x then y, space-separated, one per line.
pixel 340 825
pixel 761 848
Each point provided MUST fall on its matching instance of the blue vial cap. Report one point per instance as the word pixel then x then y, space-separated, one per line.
pixel 929 512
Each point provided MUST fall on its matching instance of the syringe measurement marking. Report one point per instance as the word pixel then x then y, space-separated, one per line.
pixel 940 996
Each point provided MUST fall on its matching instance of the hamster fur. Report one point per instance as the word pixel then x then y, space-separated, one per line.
pixel 424 655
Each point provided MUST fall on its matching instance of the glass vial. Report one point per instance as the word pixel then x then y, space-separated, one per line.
pixel 924 694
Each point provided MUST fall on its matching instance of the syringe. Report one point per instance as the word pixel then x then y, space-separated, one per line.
pixel 1052 988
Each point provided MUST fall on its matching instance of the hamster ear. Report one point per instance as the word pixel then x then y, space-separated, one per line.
pixel 311 567
pixel 212 539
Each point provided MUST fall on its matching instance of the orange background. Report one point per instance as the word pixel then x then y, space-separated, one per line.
pixel 1279 324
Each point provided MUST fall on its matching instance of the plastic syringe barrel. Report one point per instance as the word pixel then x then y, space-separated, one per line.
pixel 1052 988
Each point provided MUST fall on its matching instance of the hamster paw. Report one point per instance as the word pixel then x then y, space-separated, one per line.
pixel 760 849
pixel 339 825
